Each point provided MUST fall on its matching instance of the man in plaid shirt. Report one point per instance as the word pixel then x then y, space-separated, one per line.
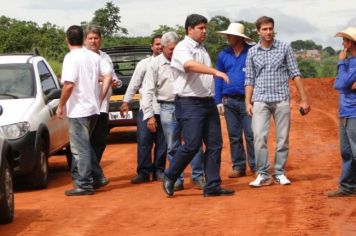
pixel 269 66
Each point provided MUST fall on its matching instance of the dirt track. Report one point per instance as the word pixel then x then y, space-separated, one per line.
pixel 125 209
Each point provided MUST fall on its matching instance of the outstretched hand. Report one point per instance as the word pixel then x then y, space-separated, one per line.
pixel 222 75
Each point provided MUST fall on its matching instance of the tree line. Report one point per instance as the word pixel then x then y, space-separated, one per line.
pixel 18 36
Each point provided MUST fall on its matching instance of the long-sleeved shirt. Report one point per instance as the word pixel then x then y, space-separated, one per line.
pixel 136 83
pixel 191 84
pixel 268 71
pixel 346 76
pixel 234 67
pixel 158 83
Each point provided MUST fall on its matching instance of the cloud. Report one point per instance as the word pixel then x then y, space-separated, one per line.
pixel 74 5
pixel 352 22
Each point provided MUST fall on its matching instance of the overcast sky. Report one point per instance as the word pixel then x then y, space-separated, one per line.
pixel 317 20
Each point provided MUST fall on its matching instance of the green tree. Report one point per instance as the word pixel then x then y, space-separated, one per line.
pixel 307 68
pixel 108 19
pixel 328 67
pixel 165 28
pixel 250 30
pixel 299 45
pixel 330 51
pixel 215 42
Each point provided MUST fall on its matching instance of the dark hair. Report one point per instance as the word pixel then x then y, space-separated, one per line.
pixel 263 20
pixel 157 36
pixel 75 35
pixel 92 29
pixel 194 20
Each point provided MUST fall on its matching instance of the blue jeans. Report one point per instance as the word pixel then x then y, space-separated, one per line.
pixel 172 132
pixel 99 135
pixel 262 112
pixel 85 166
pixel 237 121
pixel 200 122
pixel 347 129
pixel 145 141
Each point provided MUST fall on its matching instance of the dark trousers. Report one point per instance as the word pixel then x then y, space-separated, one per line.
pixel 238 122
pixel 200 122
pixel 99 135
pixel 347 131
pixel 145 142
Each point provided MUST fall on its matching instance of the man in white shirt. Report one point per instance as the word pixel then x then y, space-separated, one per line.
pixel 195 108
pixel 158 83
pixel 145 139
pixel 82 98
pixel 92 42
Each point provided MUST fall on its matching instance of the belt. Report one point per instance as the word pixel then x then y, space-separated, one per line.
pixel 236 96
pixel 165 102
pixel 196 98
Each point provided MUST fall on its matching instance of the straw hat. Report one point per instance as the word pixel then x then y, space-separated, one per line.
pixel 236 29
pixel 349 33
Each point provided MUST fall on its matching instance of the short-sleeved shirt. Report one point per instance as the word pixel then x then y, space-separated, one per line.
pixel 190 84
pixel 106 59
pixel 269 71
pixel 83 67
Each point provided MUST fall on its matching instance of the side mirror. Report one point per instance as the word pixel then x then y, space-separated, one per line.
pixel 54 94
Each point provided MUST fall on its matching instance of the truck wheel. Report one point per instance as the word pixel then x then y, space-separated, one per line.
pixel 7 193
pixel 38 179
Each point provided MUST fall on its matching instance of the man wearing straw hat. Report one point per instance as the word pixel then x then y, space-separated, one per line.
pixel 230 98
pixel 345 84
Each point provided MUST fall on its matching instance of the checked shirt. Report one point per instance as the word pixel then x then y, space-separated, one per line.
pixel 268 71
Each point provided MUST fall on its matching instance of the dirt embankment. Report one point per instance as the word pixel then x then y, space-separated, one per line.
pixel 125 209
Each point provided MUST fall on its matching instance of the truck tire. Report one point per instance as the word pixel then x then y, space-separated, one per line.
pixel 38 179
pixel 7 193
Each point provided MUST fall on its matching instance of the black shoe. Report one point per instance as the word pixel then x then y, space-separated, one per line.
pixel 219 192
pixel 79 192
pixel 340 193
pixel 168 185
pixel 100 183
pixel 157 176
pixel 198 183
pixel 178 186
pixel 139 179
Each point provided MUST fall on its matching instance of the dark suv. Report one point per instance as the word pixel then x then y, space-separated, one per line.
pixel 125 59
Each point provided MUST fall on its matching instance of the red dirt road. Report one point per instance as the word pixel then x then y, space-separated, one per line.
pixel 125 209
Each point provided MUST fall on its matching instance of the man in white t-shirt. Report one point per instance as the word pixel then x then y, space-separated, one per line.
pixel 82 98
pixel 92 41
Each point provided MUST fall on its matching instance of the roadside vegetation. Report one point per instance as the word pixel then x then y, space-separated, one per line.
pixel 23 36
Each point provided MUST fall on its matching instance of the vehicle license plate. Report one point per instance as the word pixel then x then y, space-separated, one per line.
pixel 117 116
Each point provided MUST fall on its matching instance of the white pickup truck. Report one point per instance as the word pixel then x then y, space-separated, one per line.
pixel 29 96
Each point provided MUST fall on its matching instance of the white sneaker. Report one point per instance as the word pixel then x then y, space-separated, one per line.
pixel 281 179
pixel 260 181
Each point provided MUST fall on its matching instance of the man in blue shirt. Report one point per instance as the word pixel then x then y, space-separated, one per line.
pixel 269 66
pixel 345 84
pixel 230 98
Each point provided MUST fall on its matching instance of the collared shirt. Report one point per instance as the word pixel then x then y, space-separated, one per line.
pixel 105 105
pixel 346 76
pixel 83 68
pixel 158 83
pixel 268 71
pixel 136 83
pixel 188 83
pixel 234 66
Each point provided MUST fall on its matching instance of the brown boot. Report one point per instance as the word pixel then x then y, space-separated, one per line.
pixel 236 174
